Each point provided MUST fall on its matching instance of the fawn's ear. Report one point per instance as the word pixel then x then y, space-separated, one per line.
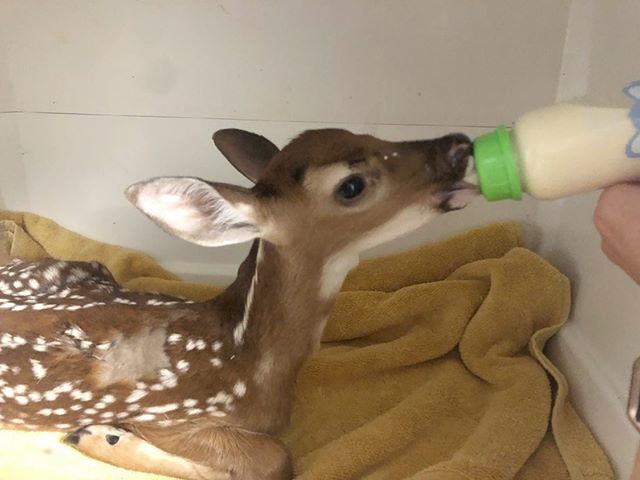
pixel 248 152
pixel 197 211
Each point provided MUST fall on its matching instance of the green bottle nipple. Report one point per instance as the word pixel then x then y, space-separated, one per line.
pixel 496 165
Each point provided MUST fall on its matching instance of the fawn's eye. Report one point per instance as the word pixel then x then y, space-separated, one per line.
pixel 351 187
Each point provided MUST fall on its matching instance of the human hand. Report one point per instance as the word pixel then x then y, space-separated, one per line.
pixel 617 218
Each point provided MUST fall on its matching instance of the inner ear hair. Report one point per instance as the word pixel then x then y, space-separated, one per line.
pixel 198 211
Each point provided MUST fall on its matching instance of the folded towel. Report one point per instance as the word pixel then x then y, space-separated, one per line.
pixel 432 366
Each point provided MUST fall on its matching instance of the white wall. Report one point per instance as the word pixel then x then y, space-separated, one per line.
pixel 424 62
pixel 598 346
pixel 7 101
pixel 112 91
pixel 10 157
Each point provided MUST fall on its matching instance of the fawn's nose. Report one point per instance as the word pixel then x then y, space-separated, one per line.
pixel 459 151
pixel 446 158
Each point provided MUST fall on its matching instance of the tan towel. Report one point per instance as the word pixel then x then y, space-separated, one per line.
pixel 431 368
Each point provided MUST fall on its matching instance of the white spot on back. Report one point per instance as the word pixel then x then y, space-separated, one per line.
pixel 195 344
pixel 221 397
pixel 136 395
pixel 35 396
pixel 65 387
pixel 50 396
pixel 75 332
pixel 39 372
pixel 168 378
pixel 81 396
pixel 170 407
pixel 51 274
pixel 182 366
pixel 145 417
pixel 123 301
pixel 44 306
pixel 240 389
pixel 7 392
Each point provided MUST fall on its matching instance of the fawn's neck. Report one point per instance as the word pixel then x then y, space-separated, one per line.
pixel 281 301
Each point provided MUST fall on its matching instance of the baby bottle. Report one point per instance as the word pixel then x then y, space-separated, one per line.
pixel 560 151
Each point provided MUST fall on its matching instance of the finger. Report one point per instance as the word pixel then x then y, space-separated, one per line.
pixel 611 252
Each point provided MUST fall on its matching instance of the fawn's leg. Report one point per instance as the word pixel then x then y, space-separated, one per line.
pixel 126 450
pixel 246 455
pixel 198 454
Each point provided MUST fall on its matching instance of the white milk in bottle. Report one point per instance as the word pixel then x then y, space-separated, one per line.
pixel 560 151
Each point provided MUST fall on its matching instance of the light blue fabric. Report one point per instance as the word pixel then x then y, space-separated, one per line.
pixel 633 91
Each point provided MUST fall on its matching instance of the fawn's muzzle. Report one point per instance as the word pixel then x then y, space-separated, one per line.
pixel 445 158
pixel 451 158
pixel 448 160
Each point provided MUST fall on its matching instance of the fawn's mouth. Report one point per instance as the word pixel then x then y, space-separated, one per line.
pixel 460 193
pixel 457 196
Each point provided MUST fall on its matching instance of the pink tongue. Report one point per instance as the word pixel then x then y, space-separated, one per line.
pixel 462 195
pixel 464 185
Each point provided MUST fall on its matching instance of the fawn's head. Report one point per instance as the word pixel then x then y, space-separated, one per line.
pixel 327 191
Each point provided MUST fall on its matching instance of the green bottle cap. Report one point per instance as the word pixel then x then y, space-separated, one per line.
pixel 496 165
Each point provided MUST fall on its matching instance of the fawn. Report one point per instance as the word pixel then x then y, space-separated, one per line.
pixel 198 390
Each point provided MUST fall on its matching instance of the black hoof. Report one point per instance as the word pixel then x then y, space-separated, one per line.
pixel 112 439
pixel 74 437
